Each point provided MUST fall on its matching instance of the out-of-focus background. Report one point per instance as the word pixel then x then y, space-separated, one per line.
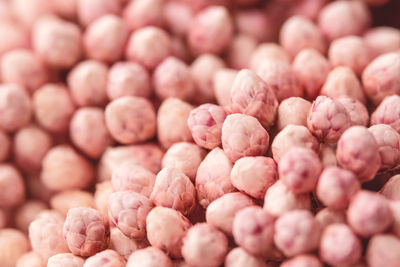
pixel 388 14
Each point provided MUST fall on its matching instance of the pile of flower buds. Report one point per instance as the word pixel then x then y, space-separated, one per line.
pixel 198 133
